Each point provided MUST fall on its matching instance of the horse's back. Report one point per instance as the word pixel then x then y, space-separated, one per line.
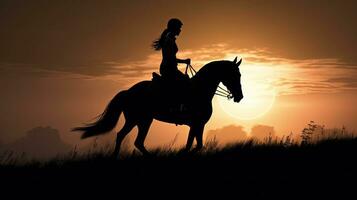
pixel 139 90
pixel 139 87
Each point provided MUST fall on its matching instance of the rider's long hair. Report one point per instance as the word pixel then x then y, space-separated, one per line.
pixel 158 43
pixel 172 24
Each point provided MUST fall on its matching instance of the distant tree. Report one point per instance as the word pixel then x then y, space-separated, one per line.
pixel 40 142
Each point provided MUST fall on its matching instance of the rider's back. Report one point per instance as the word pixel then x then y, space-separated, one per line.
pixel 168 66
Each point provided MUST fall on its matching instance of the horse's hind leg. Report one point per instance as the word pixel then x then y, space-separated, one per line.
pixel 128 126
pixel 143 127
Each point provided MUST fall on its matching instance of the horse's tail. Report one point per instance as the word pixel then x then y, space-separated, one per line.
pixel 105 121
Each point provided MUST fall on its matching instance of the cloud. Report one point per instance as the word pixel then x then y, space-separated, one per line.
pixel 348 82
pixel 261 132
pixel 260 67
pixel 233 133
pixel 82 38
pixel 287 76
pixel 227 134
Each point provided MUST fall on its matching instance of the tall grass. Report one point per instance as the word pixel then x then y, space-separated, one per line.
pixel 312 135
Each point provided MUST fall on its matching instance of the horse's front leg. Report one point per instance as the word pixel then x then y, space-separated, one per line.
pixel 189 140
pixel 199 136
pixel 196 131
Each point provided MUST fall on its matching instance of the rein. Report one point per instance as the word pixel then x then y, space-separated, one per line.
pixel 219 92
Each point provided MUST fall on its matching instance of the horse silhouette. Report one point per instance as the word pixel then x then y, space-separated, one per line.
pixel 148 100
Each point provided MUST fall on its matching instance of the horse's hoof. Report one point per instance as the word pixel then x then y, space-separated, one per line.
pixel 184 152
pixel 114 157
pixel 196 150
pixel 146 153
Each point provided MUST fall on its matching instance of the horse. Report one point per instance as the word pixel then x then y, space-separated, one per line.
pixel 148 100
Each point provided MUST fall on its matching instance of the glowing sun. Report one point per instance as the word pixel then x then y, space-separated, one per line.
pixel 258 91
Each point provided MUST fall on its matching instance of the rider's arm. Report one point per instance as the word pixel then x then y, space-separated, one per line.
pixel 186 61
pixel 171 54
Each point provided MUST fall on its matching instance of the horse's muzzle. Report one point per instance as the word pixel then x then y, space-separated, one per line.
pixel 238 99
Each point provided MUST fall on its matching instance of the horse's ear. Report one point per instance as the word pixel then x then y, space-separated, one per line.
pixel 235 60
pixel 238 63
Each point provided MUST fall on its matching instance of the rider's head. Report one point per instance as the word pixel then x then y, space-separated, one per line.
pixel 174 26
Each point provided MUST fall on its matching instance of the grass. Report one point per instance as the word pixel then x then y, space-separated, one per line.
pixel 272 167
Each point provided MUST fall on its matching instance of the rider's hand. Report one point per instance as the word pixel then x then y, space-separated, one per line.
pixel 188 61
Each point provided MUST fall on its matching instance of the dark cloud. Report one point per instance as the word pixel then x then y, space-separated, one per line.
pixel 80 37
pixel 70 35
pixel 348 81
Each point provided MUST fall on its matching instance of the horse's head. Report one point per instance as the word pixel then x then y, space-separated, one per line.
pixel 231 79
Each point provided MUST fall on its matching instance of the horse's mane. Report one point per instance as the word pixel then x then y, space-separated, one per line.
pixel 211 67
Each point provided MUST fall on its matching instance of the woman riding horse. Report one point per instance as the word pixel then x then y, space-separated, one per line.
pixel 177 82
pixel 140 105
pixel 144 102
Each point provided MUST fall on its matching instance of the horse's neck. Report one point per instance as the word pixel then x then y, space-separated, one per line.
pixel 207 80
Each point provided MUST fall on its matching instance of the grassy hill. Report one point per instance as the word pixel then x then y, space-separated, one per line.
pixel 248 169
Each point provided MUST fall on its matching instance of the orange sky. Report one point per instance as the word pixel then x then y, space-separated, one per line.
pixel 62 62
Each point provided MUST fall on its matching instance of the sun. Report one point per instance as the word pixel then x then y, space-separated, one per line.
pixel 258 91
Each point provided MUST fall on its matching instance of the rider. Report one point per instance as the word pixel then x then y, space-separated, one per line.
pixel 166 43
pixel 168 68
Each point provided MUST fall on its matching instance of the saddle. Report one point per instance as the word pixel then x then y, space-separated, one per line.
pixel 174 96
pixel 175 92
pixel 157 78
pixel 177 84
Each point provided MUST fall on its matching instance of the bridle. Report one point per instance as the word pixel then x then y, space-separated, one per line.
pixel 219 92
